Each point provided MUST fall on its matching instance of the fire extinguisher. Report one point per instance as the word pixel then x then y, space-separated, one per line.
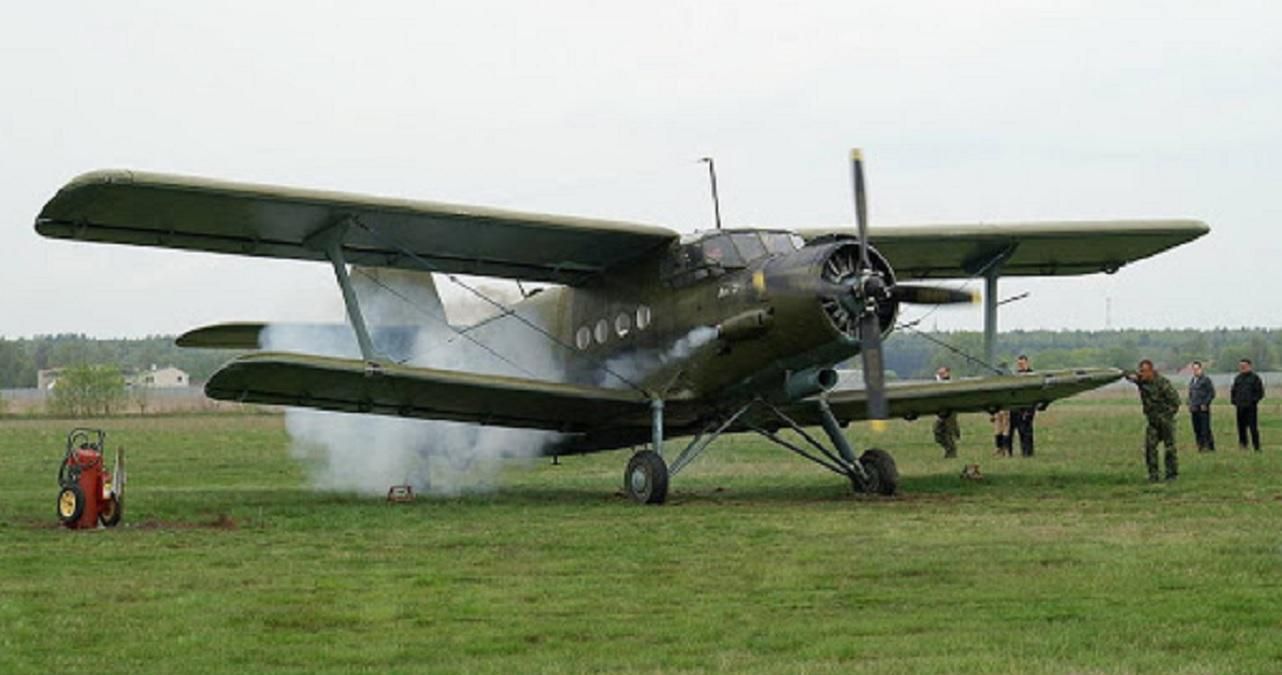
pixel 87 494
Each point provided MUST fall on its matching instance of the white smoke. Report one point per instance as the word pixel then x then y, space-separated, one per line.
pixel 633 367
pixel 369 453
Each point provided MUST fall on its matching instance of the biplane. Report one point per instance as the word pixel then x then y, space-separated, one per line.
pixel 652 335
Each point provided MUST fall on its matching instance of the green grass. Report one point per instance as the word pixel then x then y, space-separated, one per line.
pixel 1068 562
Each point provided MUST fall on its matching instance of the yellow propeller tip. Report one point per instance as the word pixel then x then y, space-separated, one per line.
pixel 856 155
pixel 975 298
pixel 879 426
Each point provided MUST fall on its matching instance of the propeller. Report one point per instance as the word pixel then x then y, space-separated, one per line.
pixel 870 288
pixel 858 292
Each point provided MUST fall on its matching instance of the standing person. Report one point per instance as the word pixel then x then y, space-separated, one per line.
pixel 1001 432
pixel 1161 403
pixel 1021 419
pixel 1247 391
pixel 947 431
pixel 1201 393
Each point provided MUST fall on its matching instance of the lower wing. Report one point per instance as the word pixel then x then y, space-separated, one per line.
pixel 352 385
pixel 982 394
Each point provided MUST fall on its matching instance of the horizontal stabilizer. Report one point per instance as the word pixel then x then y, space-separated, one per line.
pixel 394 342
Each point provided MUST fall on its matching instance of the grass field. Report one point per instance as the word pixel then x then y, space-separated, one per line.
pixel 1068 562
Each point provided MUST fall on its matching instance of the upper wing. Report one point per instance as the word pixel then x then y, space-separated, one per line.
pixel 911 399
pixel 351 385
pixel 144 209
pixel 1032 249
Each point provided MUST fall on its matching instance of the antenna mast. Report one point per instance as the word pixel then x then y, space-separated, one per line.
pixel 712 177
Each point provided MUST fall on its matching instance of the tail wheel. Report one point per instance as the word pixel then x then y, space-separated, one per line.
pixel 71 503
pixel 112 511
pixel 883 475
pixel 646 478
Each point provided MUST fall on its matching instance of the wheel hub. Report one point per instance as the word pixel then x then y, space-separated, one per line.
pixel 639 480
pixel 67 504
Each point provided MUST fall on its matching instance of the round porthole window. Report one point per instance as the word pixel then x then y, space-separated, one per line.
pixel 602 331
pixel 623 324
pixel 643 317
pixel 583 338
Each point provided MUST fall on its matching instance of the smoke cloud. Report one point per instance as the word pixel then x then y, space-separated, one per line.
pixel 367 454
pixel 640 364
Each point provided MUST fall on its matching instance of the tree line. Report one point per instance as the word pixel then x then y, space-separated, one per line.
pixel 21 359
pixel 909 354
pixel 913 355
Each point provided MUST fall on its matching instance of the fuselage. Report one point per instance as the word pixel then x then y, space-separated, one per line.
pixel 721 316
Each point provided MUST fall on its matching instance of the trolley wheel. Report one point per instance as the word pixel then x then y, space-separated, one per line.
pixel 112 511
pixel 71 503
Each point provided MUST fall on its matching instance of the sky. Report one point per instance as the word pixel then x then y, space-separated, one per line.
pixel 967 112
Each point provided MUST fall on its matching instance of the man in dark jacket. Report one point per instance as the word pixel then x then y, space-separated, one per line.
pixel 1247 391
pixel 947 430
pixel 1201 393
pixel 1160 402
pixel 1021 419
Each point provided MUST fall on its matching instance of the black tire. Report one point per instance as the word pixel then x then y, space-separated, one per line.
pixel 71 504
pixel 883 475
pixel 646 478
pixel 112 511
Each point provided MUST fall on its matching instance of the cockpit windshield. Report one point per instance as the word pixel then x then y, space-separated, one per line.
pixel 713 253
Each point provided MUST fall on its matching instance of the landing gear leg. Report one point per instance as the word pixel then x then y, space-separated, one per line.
pixel 646 478
pixel 873 473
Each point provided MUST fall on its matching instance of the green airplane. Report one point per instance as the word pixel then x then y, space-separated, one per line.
pixel 644 335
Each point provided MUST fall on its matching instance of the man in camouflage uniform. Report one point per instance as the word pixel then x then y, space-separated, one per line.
pixel 1161 402
pixel 947 430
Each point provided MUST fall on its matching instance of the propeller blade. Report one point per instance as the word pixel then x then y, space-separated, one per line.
pixel 874 366
pixel 861 206
pixel 931 295
pixel 870 293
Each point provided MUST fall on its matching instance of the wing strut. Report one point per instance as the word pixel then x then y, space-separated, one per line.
pixel 330 242
pixel 992 272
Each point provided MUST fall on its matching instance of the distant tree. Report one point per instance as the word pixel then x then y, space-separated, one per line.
pixel 141 397
pixel 88 391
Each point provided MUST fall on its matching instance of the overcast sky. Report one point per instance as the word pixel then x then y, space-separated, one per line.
pixel 967 112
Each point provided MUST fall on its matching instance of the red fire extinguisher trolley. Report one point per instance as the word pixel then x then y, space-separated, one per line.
pixel 87 494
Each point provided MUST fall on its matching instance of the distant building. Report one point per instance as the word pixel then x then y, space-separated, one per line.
pixel 47 378
pixel 161 378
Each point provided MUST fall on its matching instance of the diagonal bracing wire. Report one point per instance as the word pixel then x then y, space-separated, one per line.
pixel 429 267
pixel 455 329
pixel 912 326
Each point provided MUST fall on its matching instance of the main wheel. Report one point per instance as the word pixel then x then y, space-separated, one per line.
pixel 883 476
pixel 646 479
pixel 112 511
pixel 71 503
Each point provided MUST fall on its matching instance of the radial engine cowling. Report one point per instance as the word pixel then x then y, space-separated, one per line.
pixel 839 271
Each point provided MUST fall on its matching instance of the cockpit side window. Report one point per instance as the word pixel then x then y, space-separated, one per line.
pixel 749 245
pixel 779 242
pixel 718 250
pixel 708 256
